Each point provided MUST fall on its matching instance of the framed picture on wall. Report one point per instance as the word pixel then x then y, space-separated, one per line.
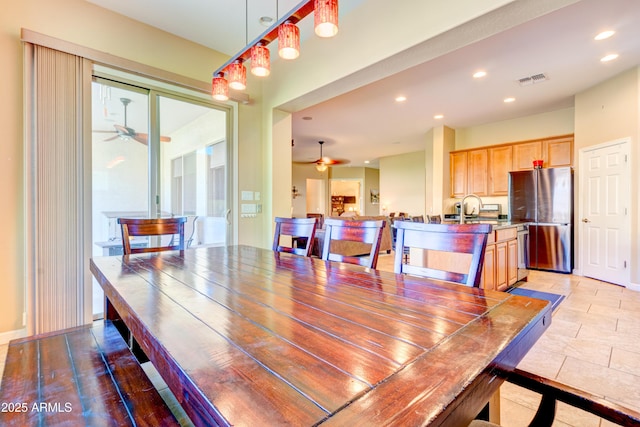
pixel 375 196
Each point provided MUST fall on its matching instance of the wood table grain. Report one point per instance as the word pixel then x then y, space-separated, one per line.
pixel 246 336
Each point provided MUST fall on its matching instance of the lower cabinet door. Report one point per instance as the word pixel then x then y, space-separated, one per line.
pixel 501 266
pixel 512 262
pixel 489 268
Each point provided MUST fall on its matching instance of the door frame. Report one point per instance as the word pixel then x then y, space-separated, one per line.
pixel 582 208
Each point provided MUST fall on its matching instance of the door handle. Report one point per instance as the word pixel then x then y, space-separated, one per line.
pixel 585 220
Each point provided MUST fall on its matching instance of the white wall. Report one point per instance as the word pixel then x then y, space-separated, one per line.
pixel 607 112
pixel 558 122
pixel 402 183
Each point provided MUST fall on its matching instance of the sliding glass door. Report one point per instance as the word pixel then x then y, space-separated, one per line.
pixel 157 154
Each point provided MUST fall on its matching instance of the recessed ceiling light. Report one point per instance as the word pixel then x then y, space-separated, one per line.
pixel 366 162
pixel 609 57
pixel 438 116
pixel 401 98
pixel 307 118
pixel 604 35
pixel 479 74
pixel 266 21
pixel 509 100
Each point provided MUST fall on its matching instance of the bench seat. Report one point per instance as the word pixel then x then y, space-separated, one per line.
pixel 79 376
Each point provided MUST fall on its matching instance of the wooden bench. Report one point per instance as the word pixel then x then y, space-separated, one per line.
pixel 79 376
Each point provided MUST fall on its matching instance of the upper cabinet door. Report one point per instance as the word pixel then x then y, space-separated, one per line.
pixel 478 172
pixel 525 153
pixel 500 162
pixel 558 152
pixel 458 171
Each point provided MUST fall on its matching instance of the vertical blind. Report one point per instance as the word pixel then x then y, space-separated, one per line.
pixel 58 189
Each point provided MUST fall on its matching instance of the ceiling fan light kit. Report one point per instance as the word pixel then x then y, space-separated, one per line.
pixel 285 29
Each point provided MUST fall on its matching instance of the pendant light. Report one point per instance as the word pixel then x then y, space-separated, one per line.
pixel 325 17
pixel 237 75
pixel 220 88
pixel 260 60
pixel 288 40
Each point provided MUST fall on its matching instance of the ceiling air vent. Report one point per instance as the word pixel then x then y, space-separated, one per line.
pixel 529 80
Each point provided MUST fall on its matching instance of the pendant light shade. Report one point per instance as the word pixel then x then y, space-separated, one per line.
pixel 219 88
pixel 321 167
pixel 237 76
pixel 325 17
pixel 260 60
pixel 288 40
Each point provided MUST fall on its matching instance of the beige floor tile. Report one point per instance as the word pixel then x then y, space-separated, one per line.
pixel 629 326
pixel 626 361
pixel 579 317
pixel 605 382
pixel 560 326
pixel 607 301
pixel 621 340
pixel 542 362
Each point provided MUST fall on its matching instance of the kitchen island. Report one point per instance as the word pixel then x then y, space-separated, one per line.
pixel 502 255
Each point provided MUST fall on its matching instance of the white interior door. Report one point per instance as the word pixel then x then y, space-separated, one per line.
pixel 604 219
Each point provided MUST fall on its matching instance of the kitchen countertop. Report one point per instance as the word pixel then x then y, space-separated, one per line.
pixel 497 224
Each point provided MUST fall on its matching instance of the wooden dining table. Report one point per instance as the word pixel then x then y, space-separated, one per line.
pixel 246 336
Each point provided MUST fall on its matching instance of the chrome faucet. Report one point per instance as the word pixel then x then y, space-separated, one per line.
pixel 463 210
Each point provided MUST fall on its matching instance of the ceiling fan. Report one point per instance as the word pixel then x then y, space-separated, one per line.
pixel 323 162
pixel 126 133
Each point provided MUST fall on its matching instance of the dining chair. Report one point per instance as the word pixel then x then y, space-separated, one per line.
pixel 365 235
pixel 149 227
pixel 442 245
pixel 302 232
pixel 320 218
pixel 553 391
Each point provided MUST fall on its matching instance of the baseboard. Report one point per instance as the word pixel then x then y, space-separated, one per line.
pixel 634 287
pixel 5 337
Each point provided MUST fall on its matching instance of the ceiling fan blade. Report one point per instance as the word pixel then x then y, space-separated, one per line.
pixel 103 131
pixel 146 137
pixel 112 138
pixel 141 138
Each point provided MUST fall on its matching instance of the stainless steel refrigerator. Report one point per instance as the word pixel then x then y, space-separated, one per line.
pixel 544 199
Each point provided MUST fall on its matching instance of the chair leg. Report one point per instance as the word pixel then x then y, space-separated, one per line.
pixel 545 414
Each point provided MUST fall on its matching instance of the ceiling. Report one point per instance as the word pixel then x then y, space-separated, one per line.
pixel 367 123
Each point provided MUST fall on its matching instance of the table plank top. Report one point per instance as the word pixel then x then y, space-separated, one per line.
pixel 247 336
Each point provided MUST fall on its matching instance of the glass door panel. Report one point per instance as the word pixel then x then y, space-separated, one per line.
pixel 193 157
pixel 120 152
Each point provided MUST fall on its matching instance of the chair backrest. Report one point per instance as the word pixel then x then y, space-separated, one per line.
pixel 440 244
pixel 302 232
pixel 418 218
pixel 320 218
pixel 367 232
pixel 136 227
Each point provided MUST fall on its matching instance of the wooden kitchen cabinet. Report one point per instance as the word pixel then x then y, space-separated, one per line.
pixel 485 171
pixel 477 172
pixel 458 171
pixel 558 152
pixel 500 269
pixel 500 163
pixel 512 262
pixel 488 280
pixel 501 266
pixel 525 153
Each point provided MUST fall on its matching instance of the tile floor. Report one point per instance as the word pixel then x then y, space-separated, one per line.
pixel 592 344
